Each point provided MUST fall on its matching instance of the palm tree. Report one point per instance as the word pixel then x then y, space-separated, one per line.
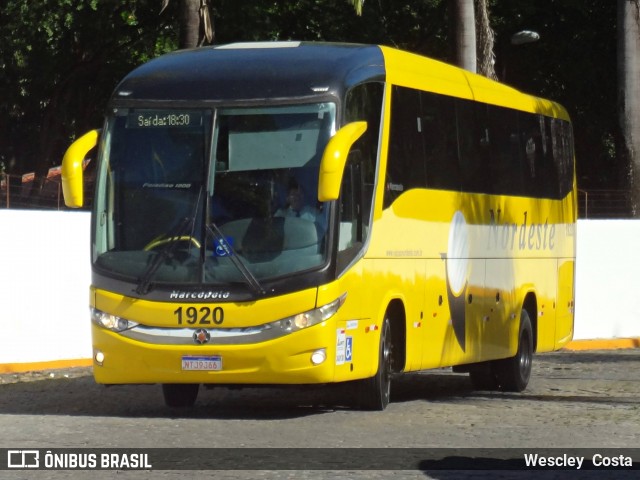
pixel 629 97
pixel 480 59
pixel 486 41
pixel 464 33
pixel 196 27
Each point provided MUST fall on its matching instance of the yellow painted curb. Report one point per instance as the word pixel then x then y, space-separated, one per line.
pixel 603 344
pixel 51 365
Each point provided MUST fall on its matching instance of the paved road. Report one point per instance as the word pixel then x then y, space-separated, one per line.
pixel 574 400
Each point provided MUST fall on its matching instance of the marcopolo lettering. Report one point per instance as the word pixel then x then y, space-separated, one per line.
pixel 199 295
pixel 526 236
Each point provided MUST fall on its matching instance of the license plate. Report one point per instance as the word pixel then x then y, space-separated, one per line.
pixel 202 363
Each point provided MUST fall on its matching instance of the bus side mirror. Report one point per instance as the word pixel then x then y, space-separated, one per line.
pixel 334 159
pixel 72 166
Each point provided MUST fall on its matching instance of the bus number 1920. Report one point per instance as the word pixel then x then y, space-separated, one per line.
pixel 199 316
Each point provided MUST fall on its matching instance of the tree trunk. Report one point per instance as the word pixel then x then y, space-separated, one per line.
pixel 464 33
pixel 486 39
pixel 189 23
pixel 629 97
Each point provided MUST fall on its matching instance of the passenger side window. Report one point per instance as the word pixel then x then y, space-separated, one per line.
pixel 440 141
pixel 405 160
pixel 364 103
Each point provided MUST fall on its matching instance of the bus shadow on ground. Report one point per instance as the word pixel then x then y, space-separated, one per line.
pixel 74 392
pixel 81 396
pixel 599 356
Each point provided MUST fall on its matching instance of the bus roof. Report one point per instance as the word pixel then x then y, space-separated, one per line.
pixel 415 71
pixel 252 72
pixel 255 71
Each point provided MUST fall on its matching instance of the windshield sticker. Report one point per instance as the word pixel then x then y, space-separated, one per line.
pixel 341 346
pixel 223 247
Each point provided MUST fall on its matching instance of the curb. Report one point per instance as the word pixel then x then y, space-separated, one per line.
pixel 50 365
pixel 603 344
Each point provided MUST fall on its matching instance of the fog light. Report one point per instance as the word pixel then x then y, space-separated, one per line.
pixel 99 357
pixel 318 356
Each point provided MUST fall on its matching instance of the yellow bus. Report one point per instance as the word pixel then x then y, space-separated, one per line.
pixel 311 213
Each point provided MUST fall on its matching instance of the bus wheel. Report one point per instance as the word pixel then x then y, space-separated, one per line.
pixel 514 373
pixel 180 394
pixel 374 392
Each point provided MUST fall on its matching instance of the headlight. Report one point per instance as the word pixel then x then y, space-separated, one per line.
pixel 110 322
pixel 312 317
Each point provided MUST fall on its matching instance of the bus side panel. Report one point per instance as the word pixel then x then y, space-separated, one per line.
pixel 402 280
pixel 502 310
pixel 355 340
pixel 539 276
pixel 565 318
pixel 440 346
pixel 566 274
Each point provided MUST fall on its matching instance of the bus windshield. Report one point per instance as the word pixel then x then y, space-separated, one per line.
pixel 211 196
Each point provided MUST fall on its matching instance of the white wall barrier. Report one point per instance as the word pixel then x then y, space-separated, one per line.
pixel 45 276
pixel 607 266
pixel 44 292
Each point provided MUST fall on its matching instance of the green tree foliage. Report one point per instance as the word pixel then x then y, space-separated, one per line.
pixel 420 26
pixel 574 62
pixel 59 61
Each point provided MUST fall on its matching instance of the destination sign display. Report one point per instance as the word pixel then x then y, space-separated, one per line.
pixel 164 119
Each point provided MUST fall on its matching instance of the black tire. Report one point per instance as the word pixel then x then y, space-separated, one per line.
pixel 180 395
pixel 513 373
pixel 374 393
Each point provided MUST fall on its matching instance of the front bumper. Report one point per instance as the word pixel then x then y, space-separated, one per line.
pixel 284 360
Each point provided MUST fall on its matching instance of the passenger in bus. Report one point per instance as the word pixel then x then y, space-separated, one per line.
pixel 296 205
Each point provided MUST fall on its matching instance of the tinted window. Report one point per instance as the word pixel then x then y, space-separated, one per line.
pixel 474 142
pixel 405 163
pixel 448 143
pixel 440 141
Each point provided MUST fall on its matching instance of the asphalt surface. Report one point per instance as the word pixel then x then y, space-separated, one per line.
pixel 575 400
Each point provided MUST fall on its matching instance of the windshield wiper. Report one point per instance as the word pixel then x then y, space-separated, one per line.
pixel 250 278
pixel 185 225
